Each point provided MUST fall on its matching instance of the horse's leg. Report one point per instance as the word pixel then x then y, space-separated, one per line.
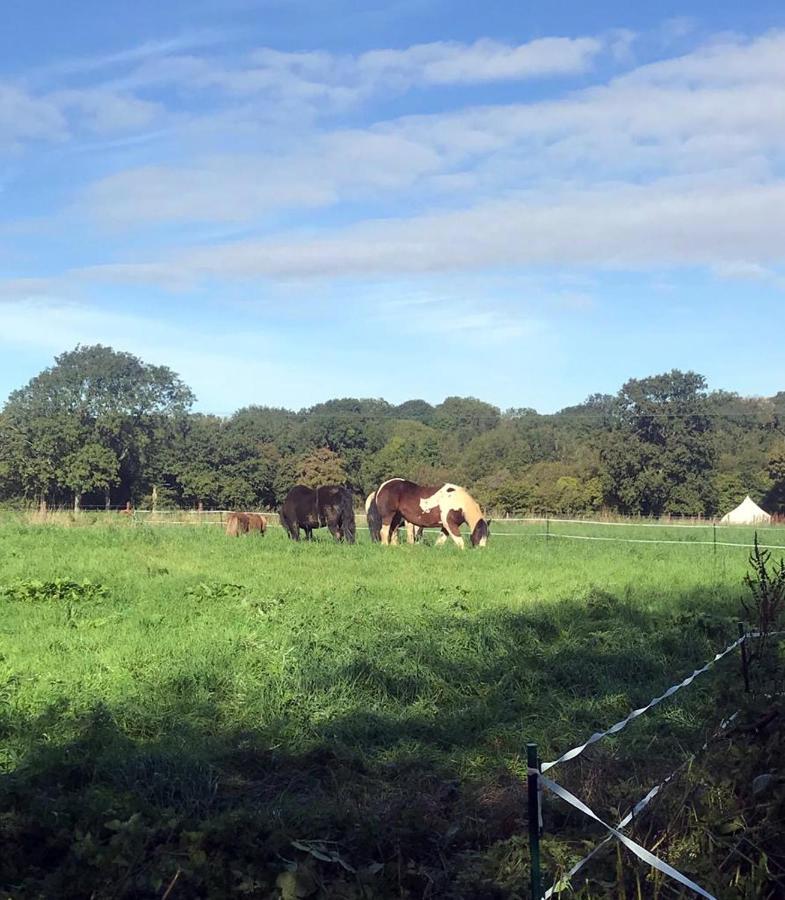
pixel 410 533
pixel 453 526
pixel 397 519
pixel 442 537
pixel 390 530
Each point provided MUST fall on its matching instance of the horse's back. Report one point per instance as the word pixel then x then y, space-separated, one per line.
pixel 400 494
pixel 236 524
pixel 336 504
pixel 300 499
pixel 257 523
pixel 390 493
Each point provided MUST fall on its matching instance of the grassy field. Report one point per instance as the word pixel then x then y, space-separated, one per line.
pixel 178 707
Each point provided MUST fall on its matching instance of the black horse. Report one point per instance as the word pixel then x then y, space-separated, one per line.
pixel 309 508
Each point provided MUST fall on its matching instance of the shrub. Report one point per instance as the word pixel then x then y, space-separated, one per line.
pixel 60 590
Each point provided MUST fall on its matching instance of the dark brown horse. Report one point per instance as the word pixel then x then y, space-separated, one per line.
pixel 238 523
pixel 446 507
pixel 328 505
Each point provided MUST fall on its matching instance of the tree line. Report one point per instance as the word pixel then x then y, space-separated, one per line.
pixel 103 428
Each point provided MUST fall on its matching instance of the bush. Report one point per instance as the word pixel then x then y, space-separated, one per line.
pixel 60 590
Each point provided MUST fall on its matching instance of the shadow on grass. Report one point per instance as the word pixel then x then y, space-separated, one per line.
pixel 415 785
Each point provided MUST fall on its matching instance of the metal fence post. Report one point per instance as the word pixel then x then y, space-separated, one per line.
pixel 744 659
pixel 533 764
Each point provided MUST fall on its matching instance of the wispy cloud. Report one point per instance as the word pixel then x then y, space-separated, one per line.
pixel 24 117
pixel 466 317
pixel 346 78
pixel 207 359
pixel 110 92
pixel 716 115
pixel 659 225
pixel 674 163
pixel 129 55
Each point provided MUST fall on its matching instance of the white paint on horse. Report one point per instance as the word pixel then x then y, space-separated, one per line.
pixel 453 498
pixel 439 498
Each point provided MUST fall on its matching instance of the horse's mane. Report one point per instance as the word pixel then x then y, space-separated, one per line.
pixel 472 511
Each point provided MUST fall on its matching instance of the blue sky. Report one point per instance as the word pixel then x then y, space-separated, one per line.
pixel 291 201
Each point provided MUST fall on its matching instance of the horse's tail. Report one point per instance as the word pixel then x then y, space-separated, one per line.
pixel 374 520
pixel 346 507
pixel 288 522
pixel 233 525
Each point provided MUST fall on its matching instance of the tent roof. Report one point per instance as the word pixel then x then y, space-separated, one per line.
pixel 747 512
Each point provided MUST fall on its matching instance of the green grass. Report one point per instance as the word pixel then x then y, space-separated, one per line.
pixel 173 700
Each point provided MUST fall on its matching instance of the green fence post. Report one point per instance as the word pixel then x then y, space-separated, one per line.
pixel 533 764
pixel 744 660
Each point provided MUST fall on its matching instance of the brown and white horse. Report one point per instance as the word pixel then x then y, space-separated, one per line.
pixel 446 507
pixel 374 526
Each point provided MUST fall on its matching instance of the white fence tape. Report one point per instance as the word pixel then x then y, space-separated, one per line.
pixel 619 726
pixel 641 852
pixel 636 810
pixel 556 519
pixel 196 521
pixel 614 540
pixel 192 524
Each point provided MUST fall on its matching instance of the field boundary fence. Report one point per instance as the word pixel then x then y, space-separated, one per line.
pixel 197 517
pixel 715 527
pixel 538 783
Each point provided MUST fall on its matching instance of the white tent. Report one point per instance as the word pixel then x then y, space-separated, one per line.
pixel 746 513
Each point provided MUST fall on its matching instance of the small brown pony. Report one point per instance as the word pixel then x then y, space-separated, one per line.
pixel 238 523
pixel 446 507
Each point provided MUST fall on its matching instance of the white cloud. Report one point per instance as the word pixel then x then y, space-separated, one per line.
pixel 105 112
pixel 336 166
pixel 730 60
pixel 293 84
pixel 744 270
pixel 484 60
pixel 24 117
pixel 130 55
pixel 205 359
pixel 328 82
pixel 658 121
pixel 678 162
pixel 458 316
pixel 617 226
